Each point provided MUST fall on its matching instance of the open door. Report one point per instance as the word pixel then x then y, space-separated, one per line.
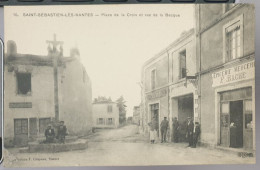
pixel 224 124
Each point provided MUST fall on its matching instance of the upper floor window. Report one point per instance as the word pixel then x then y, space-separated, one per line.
pixel 233 45
pixel 182 64
pixel 153 78
pixel 109 108
pixel 233 39
pixel 23 83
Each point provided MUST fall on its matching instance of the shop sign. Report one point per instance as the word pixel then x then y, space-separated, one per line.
pixel 234 74
pixel 157 94
pixel 20 105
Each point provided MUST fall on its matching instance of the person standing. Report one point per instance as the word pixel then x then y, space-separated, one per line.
pixel 153 130
pixel 49 134
pixel 62 132
pixel 189 134
pixel 196 134
pixel 164 126
pixel 175 128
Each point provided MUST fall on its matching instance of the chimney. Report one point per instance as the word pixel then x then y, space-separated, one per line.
pixel 11 48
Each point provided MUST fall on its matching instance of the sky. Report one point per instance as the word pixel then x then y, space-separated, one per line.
pixel 112 48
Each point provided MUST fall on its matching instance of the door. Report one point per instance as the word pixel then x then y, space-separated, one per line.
pixel 248 125
pixel 21 132
pixel 33 128
pixel 236 124
pixel 224 124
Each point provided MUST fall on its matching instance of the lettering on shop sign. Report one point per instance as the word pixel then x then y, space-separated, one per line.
pixel 20 105
pixel 157 94
pixel 234 74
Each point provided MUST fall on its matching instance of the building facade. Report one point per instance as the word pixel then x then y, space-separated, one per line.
pixel 29 95
pixel 226 68
pixel 167 90
pixel 207 74
pixel 105 114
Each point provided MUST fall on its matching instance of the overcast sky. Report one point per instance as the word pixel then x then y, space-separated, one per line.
pixel 113 49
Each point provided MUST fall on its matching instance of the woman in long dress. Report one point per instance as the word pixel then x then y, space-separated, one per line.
pixel 153 130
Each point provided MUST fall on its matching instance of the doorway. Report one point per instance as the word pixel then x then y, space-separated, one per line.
pixel 185 110
pixel 21 132
pixel 236 124
pixel 155 113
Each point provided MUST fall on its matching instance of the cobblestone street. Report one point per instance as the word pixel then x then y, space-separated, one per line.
pixel 124 146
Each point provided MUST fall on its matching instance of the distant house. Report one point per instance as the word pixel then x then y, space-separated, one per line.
pixel 105 114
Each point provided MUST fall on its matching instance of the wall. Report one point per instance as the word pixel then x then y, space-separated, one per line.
pixel 75 97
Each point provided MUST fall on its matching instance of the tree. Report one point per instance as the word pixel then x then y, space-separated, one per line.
pixel 122 109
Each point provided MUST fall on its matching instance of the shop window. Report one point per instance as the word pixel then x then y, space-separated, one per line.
pixel 23 83
pixel 43 123
pixel 248 114
pixel 109 109
pixel 110 121
pixel 100 121
pixel 182 64
pixel 224 119
pixel 20 126
pixel 153 78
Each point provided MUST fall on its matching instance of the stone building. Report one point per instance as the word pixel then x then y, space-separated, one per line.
pixel 37 94
pixel 226 71
pixel 105 114
pixel 167 86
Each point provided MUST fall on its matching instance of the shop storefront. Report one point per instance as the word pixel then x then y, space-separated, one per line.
pixel 235 108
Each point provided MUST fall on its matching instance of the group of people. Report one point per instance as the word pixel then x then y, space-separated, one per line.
pixel 61 133
pixel 192 131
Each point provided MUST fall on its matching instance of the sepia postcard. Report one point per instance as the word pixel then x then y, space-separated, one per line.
pixel 129 85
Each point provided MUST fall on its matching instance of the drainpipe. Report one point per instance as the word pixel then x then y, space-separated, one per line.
pixel 168 90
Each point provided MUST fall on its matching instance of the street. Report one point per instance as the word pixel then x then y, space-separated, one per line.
pixel 124 146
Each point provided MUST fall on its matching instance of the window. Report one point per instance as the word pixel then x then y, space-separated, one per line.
pixel 110 121
pixel 100 121
pixel 20 126
pixel 153 79
pixel 182 64
pixel 109 108
pixel 248 114
pixel 43 123
pixel 23 83
pixel 233 41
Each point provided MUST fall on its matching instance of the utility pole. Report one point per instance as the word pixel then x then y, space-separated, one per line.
pixel 55 54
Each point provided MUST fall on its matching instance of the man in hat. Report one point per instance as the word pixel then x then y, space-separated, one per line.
pixel 49 134
pixel 164 126
pixel 196 134
pixel 189 134
pixel 175 128
pixel 62 132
